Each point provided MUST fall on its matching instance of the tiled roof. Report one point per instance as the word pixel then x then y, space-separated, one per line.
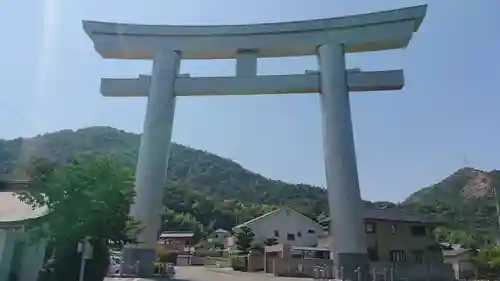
pixel 454 252
pixel 259 217
pixel 176 235
pixel 394 215
pixel 274 212
pixel 14 210
pixel 449 246
pixel 391 215
pixel 13 185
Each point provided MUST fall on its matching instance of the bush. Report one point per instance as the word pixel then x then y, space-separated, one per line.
pixel 159 268
pixel 164 255
pixel 239 263
pixel 208 253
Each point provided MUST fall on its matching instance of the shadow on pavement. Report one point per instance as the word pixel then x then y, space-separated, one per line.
pixel 144 279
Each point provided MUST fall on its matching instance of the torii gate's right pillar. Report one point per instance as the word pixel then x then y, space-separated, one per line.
pixel 346 207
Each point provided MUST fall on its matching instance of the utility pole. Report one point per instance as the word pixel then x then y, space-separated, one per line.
pixel 495 194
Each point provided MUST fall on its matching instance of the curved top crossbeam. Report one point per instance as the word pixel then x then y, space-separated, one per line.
pixel 359 33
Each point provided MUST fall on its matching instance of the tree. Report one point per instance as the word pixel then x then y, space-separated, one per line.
pixel 464 238
pixel 88 197
pixel 244 239
pixel 488 262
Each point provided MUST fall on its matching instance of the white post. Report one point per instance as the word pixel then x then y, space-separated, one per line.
pixel 344 199
pixel 85 248
pixel 81 249
pixel 154 150
pixel 151 170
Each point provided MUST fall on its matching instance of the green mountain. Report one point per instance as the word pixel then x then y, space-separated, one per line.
pixel 464 202
pixel 205 191
pixel 202 187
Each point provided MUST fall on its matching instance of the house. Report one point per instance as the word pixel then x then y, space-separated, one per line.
pixel 218 237
pixel 21 257
pixel 286 225
pixel 396 236
pixel 461 259
pixel 180 241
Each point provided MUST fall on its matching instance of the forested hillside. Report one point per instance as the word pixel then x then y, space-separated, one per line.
pixel 464 202
pixel 205 191
pixel 202 187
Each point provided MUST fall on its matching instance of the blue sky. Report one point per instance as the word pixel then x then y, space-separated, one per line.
pixel 446 116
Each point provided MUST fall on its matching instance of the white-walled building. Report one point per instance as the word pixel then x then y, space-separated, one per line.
pixel 461 259
pixel 20 257
pixel 287 226
pixel 219 236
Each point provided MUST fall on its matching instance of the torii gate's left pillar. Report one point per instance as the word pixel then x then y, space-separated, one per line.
pixel 152 164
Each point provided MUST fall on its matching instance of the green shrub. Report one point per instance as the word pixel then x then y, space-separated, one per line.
pixel 164 255
pixel 239 263
pixel 208 253
pixel 159 268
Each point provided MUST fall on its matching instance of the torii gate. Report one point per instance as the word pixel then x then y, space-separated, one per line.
pixel 328 39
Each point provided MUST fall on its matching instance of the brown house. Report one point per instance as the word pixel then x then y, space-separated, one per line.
pixel 176 241
pixel 397 237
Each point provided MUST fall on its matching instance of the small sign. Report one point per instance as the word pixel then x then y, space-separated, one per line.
pixel 85 248
pixel 88 251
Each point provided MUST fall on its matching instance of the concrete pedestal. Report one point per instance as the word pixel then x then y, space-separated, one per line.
pixel 354 266
pixel 344 199
pixel 138 262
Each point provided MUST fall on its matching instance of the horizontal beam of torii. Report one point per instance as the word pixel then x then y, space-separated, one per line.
pixel 358 81
pixel 358 33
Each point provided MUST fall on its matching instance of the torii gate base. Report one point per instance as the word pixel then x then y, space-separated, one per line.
pixel 328 39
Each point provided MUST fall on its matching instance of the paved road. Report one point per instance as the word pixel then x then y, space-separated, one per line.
pixel 188 273
pixel 207 274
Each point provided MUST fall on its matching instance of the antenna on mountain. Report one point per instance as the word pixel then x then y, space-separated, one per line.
pixel 466 161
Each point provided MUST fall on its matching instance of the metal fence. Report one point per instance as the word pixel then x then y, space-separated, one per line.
pixel 326 273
